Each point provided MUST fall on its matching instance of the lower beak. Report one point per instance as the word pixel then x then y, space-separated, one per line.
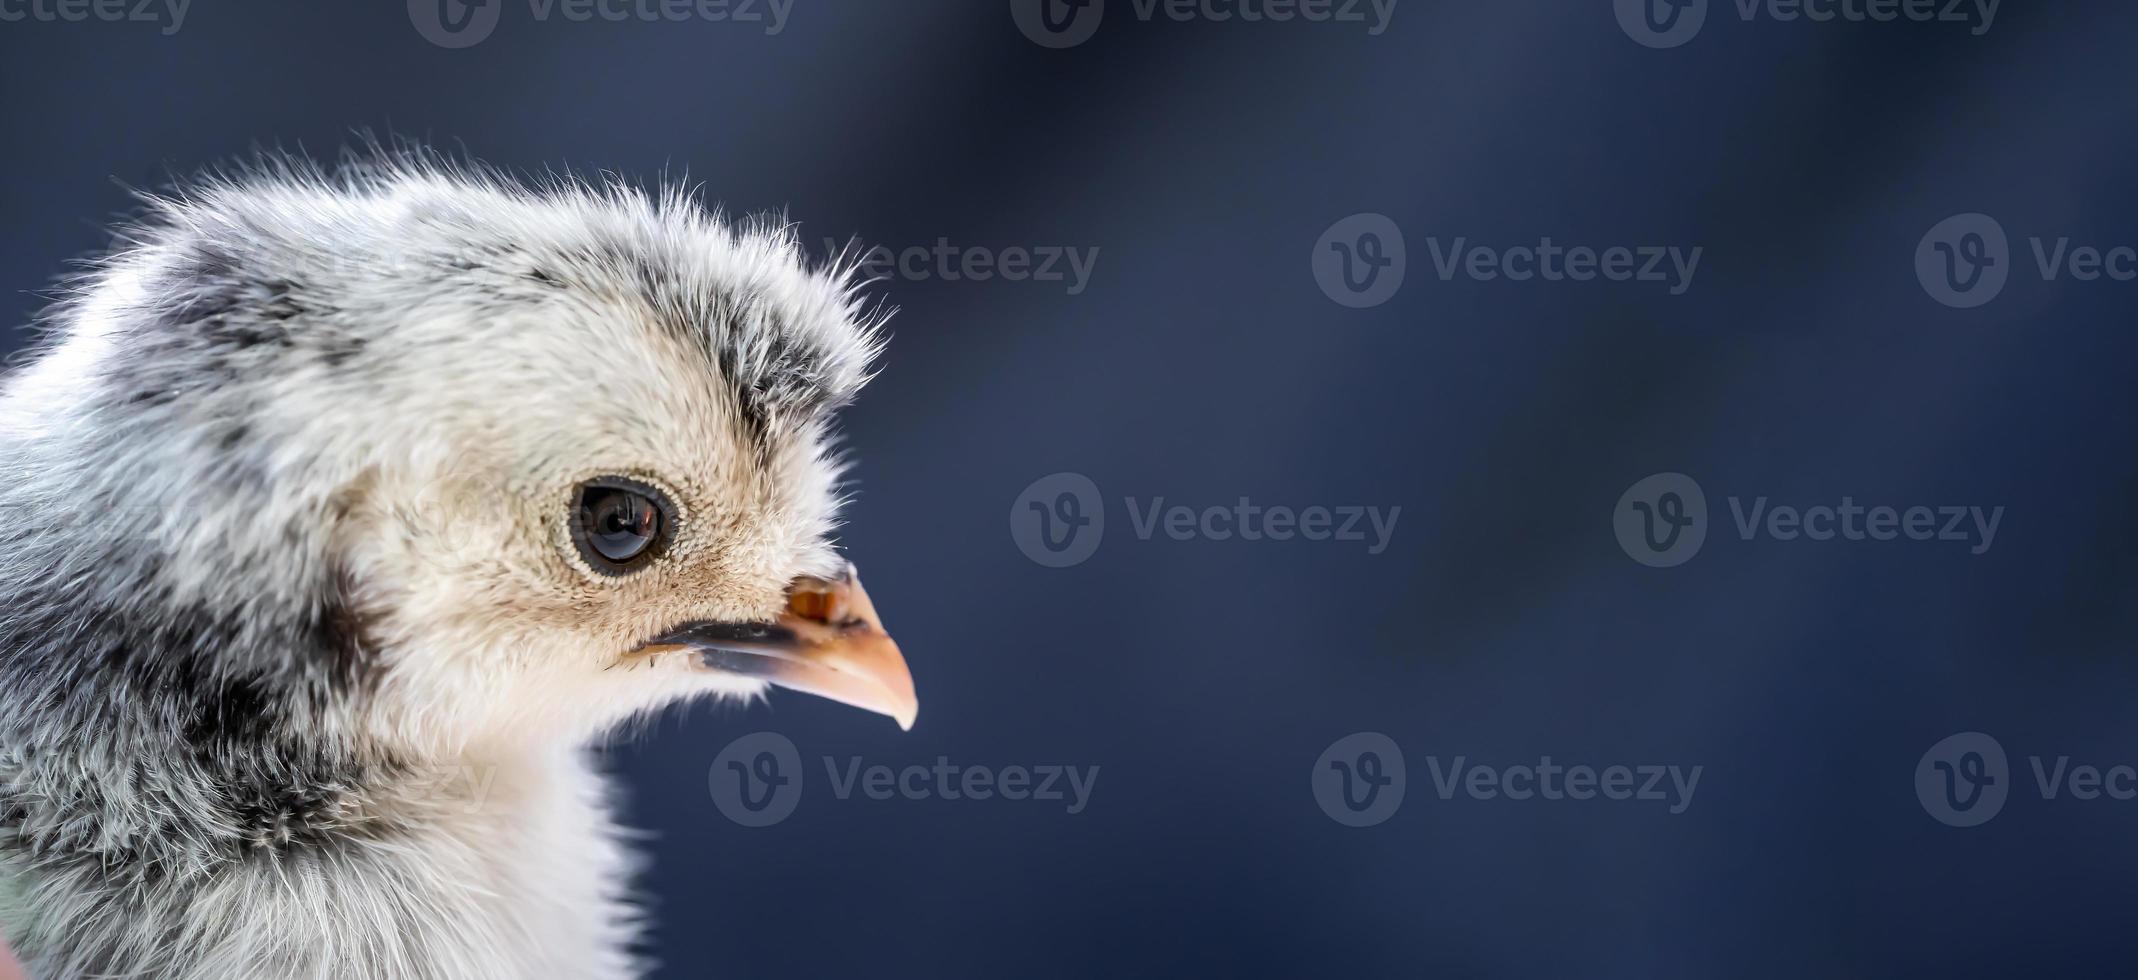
pixel 829 643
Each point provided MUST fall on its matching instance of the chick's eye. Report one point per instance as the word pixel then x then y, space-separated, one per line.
pixel 618 524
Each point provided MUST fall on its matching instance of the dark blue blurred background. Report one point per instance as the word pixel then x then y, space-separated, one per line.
pixel 1200 361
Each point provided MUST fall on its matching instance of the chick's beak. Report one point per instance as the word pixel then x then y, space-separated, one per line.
pixel 829 642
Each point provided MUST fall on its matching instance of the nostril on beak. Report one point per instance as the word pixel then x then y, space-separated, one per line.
pixel 816 605
pixel 819 601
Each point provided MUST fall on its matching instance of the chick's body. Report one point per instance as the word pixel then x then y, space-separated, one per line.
pixel 301 645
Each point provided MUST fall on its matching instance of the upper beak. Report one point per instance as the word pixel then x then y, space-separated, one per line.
pixel 829 642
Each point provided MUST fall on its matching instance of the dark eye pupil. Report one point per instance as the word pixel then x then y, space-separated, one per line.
pixel 620 524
